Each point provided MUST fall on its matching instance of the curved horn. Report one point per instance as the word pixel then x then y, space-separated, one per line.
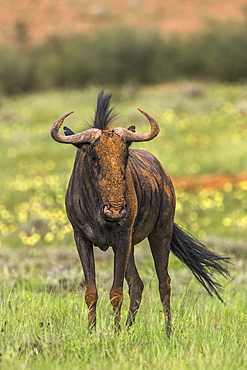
pixel 133 136
pixel 86 136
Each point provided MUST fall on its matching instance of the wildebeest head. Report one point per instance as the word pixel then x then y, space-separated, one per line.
pixel 107 152
pixel 108 156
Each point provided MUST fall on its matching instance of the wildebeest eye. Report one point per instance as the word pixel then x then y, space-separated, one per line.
pixel 93 157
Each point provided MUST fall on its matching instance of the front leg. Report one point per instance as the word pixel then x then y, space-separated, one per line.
pixel 135 289
pixel 121 256
pixel 85 250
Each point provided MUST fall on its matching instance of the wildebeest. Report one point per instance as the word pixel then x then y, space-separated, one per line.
pixel 117 197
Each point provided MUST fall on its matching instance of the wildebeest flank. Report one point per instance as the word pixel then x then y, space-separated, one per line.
pixel 117 197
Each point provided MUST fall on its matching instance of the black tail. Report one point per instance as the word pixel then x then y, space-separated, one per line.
pixel 199 259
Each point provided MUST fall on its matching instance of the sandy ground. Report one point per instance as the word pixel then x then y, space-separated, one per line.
pixel 29 22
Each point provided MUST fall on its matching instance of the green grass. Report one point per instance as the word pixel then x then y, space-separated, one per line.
pixel 44 317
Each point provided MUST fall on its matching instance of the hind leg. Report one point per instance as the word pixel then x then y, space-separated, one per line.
pixel 160 248
pixel 135 289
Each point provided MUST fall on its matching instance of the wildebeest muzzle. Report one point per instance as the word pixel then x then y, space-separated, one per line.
pixel 113 215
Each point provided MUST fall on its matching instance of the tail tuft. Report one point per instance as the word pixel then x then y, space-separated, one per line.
pixel 199 259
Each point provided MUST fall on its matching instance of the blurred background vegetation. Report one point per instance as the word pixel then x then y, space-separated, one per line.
pixel 125 55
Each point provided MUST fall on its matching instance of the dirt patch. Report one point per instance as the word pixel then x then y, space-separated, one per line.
pixel 30 22
pixel 215 181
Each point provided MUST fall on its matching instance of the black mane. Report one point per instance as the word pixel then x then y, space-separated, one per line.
pixel 103 115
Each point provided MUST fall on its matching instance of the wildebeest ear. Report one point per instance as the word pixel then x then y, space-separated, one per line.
pixel 69 132
pixel 132 128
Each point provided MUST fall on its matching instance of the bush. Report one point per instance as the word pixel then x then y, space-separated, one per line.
pixel 17 71
pixel 219 54
pixel 119 56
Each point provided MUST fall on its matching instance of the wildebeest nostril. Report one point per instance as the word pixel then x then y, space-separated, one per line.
pixel 122 213
pixel 107 212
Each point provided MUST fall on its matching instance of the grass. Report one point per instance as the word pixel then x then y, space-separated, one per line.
pixel 43 314
pixel 44 323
